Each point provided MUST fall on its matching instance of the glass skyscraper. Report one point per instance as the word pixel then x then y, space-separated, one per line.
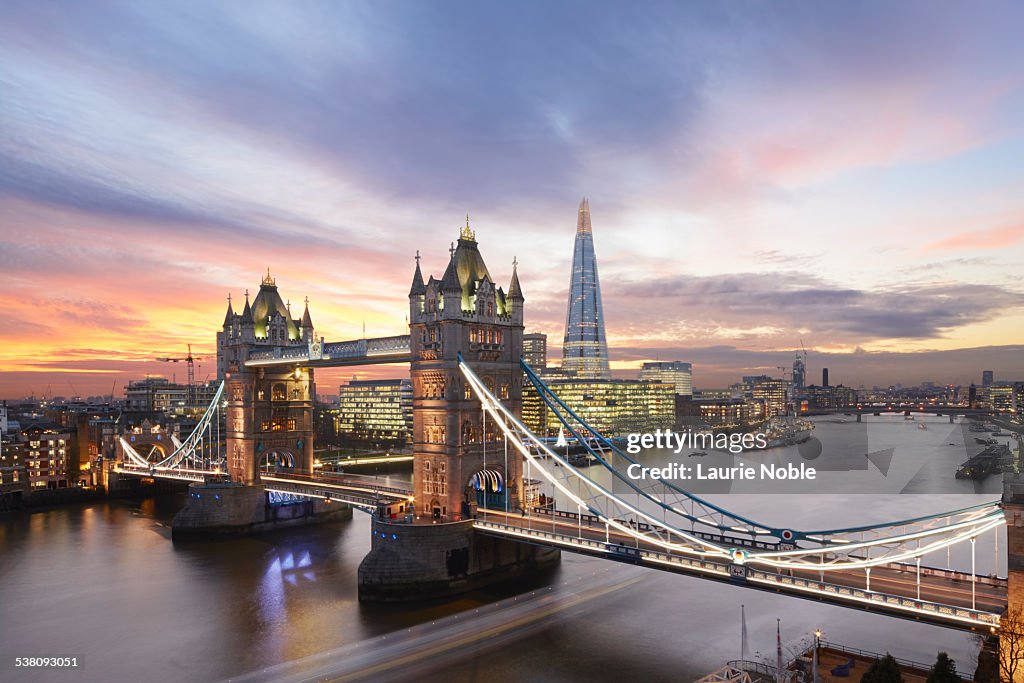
pixel 585 349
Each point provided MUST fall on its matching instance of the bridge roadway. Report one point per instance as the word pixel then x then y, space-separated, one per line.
pixel 340 487
pixel 945 597
pixel 327 486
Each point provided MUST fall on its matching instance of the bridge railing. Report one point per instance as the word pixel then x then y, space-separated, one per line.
pixel 594 520
pixel 616 550
pixel 280 352
pixel 840 593
pixel 338 479
pixel 759 670
pixel 864 596
pixel 323 493
pixel 867 654
pixel 952 574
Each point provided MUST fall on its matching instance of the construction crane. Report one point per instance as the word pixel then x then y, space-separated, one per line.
pixel 190 360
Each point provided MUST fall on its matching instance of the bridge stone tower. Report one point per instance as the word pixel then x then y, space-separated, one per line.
pixel 270 410
pixel 463 312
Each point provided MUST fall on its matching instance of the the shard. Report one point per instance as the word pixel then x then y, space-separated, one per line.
pixel 585 348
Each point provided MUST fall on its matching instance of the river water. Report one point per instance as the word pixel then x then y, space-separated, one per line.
pixel 103 582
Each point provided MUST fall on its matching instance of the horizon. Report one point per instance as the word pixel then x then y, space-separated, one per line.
pixel 750 193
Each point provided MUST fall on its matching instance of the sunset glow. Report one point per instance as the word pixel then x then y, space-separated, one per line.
pixel 857 190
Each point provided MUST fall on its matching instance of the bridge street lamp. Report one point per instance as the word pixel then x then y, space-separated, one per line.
pixel 814 661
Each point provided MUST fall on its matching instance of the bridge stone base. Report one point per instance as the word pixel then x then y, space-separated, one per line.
pixel 228 509
pixel 414 562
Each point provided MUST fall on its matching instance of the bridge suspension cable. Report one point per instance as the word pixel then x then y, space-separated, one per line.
pixel 722 532
pixel 201 451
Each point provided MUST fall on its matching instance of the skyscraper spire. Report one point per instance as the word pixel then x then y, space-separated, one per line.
pixel 585 349
pixel 583 219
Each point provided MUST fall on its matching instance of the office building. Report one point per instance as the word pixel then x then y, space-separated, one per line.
pixel 535 350
pixel 718 412
pixel 159 395
pixel 772 393
pixel 375 411
pixel 613 407
pixel 799 372
pixel 585 348
pixel 999 398
pixel 987 378
pixel 675 372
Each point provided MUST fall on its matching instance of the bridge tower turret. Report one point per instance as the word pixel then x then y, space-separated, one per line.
pixel 462 312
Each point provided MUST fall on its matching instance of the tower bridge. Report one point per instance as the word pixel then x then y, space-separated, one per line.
pixel 473 514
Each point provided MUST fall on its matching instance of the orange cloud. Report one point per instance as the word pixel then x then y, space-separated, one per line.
pixel 993 238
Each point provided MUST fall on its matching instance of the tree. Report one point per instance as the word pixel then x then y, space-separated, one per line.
pixel 883 670
pixel 944 670
pixel 1011 646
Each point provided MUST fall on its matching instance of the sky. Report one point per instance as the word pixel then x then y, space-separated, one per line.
pixel 761 176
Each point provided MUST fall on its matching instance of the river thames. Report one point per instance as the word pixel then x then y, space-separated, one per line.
pixel 104 582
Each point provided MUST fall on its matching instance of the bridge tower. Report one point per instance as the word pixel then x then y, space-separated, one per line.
pixel 463 312
pixel 270 410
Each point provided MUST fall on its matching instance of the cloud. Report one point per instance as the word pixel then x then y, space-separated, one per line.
pixel 793 301
pixel 719 366
pixel 986 240
pixel 154 157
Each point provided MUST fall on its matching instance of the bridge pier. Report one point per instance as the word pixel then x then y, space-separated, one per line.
pixel 1013 508
pixel 415 562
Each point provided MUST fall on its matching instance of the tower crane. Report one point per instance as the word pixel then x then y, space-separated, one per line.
pixel 190 360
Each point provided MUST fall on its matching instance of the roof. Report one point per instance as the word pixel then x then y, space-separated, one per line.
pixel 514 290
pixel 307 321
pixel 229 317
pixel 417 288
pixel 268 302
pixel 467 269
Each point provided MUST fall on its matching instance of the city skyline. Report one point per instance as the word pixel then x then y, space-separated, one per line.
pixel 753 190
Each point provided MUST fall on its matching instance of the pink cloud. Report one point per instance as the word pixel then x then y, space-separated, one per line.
pixel 992 238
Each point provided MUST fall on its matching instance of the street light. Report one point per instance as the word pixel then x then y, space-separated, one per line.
pixel 814 666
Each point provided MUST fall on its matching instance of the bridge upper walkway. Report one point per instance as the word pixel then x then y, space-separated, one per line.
pixel 395 349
